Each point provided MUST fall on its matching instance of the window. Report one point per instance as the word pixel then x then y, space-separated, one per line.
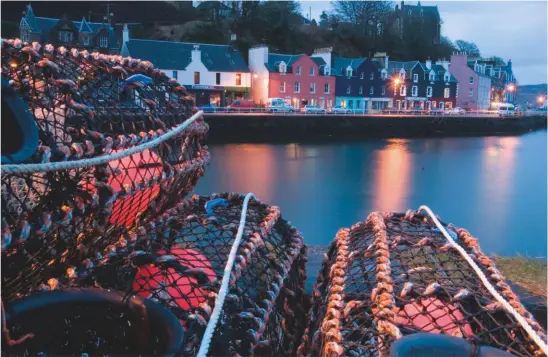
pixel 326 88
pixel 349 72
pixel 238 79
pixel 283 68
pixel 312 87
pixel 361 90
pixel 358 104
pixel 470 92
pixel 383 75
pixel 403 90
pixel 471 80
pixel 217 78
pixel 428 91
pixel 446 77
pixel 103 41
pixel 433 104
pixel 298 70
pixel 350 104
pixel 371 90
pixel 175 75
pixel 432 76
pixel 65 36
pixel 415 77
pixel 446 93
pixel 282 87
pixel 383 91
pixel 297 87
pixel 409 13
pixel 85 40
pixel 312 72
pixel 196 77
pixel 348 89
pixel 326 71
pixel 361 75
pixel 25 35
pixel 414 91
pixel 372 75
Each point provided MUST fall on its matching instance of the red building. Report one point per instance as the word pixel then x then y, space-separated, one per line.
pixel 299 79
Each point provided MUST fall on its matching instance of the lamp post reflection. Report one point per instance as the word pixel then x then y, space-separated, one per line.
pixel 392 176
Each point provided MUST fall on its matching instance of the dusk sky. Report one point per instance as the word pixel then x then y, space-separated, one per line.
pixel 515 30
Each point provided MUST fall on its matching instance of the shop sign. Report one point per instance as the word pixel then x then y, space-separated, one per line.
pixel 205 87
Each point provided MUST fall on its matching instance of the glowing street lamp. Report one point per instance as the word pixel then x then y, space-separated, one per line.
pixel 511 87
pixel 540 99
pixel 397 81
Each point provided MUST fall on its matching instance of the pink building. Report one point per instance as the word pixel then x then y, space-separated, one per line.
pixel 298 79
pixel 474 88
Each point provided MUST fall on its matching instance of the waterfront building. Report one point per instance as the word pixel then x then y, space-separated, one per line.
pixel 298 79
pixel 215 74
pixel 441 87
pixel 503 82
pixel 105 37
pixel 474 85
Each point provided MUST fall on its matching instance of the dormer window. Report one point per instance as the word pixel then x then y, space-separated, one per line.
pixel 65 36
pixel 25 35
pixel 283 68
pixel 446 77
pixel 298 70
pixel 327 71
pixel 349 72
pixel 402 73
pixel 432 76
pixel 384 74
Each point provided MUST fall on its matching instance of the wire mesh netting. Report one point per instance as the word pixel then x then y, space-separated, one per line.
pixel 396 275
pixel 178 259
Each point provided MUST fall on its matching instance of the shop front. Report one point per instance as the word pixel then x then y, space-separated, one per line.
pixel 217 95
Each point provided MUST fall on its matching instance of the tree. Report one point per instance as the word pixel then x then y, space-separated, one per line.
pixel 324 20
pixel 360 12
pixel 498 61
pixel 470 48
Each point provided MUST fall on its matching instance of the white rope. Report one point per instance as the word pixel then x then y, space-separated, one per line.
pixel 64 165
pixel 223 291
pixel 521 320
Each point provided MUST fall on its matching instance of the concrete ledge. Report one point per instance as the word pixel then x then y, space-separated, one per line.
pixel 290 128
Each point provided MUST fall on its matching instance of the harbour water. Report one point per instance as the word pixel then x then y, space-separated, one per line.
pixel 493 186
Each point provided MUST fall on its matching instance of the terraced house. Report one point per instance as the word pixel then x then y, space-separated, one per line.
pixel 215 74
pixel 298 79
pixel 441 86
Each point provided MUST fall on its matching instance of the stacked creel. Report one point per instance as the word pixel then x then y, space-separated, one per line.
pixel 396 275
pixel 117 144
pixel 178 259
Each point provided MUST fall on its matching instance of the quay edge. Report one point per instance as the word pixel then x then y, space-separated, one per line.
pixel 233 128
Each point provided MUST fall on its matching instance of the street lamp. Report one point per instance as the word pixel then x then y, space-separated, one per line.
pixel 511 87
pixel 540 99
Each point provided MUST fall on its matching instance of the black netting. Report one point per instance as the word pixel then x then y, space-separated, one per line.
pixel 177 260
pixel 395 275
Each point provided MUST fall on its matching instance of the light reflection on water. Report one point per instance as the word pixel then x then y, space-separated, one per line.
pixel 495 187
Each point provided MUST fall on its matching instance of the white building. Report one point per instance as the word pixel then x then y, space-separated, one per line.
pixel 214 74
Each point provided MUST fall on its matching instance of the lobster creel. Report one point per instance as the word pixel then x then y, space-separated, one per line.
pixel 397 275
pixel 178 260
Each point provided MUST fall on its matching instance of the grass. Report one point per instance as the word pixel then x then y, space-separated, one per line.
pixel 530 274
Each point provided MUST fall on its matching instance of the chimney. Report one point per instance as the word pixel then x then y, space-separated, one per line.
pixel 324 53
pixel 125 34
pixel 428 64
pixel 196 54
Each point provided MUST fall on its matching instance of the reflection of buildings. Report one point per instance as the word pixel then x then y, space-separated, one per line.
pixel 392 176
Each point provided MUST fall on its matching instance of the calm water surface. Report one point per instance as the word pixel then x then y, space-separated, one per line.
pixel 494 186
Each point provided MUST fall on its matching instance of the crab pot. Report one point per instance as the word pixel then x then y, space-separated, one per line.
pixel 394 276
pixel 178 260
pixel 75 322
pixel 71 102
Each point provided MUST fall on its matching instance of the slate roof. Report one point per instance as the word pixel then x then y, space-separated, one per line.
pixel 178 55
pixel 395 66
pixel 319 61
pixel 274 60
pixel 440 72
pixel 340 65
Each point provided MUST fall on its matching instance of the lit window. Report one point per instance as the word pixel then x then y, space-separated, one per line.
pixel 470 92
pixel 238 79
pixel 103 41
pixel 471 80
pixel 297 87
pixel 312 72
pixel 312 87
pixel 415 77
pixel 428 91
pixel 298 70
pixel 196 77
pixel 446 93
pixel 361 90
pixel 326 88
pixel 348 89
pixel 282 87
pixel 414 91
pixel 433 104
pixel 371 90
pixel 174 76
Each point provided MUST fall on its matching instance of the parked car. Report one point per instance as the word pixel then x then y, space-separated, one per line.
pixel 209 108
pixel 337 109
pixel 313 109
pixel 241 105
pixel 455 111
pixel 280 108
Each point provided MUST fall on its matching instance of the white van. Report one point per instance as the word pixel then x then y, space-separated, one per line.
pixel 274 105
pixel 507 109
